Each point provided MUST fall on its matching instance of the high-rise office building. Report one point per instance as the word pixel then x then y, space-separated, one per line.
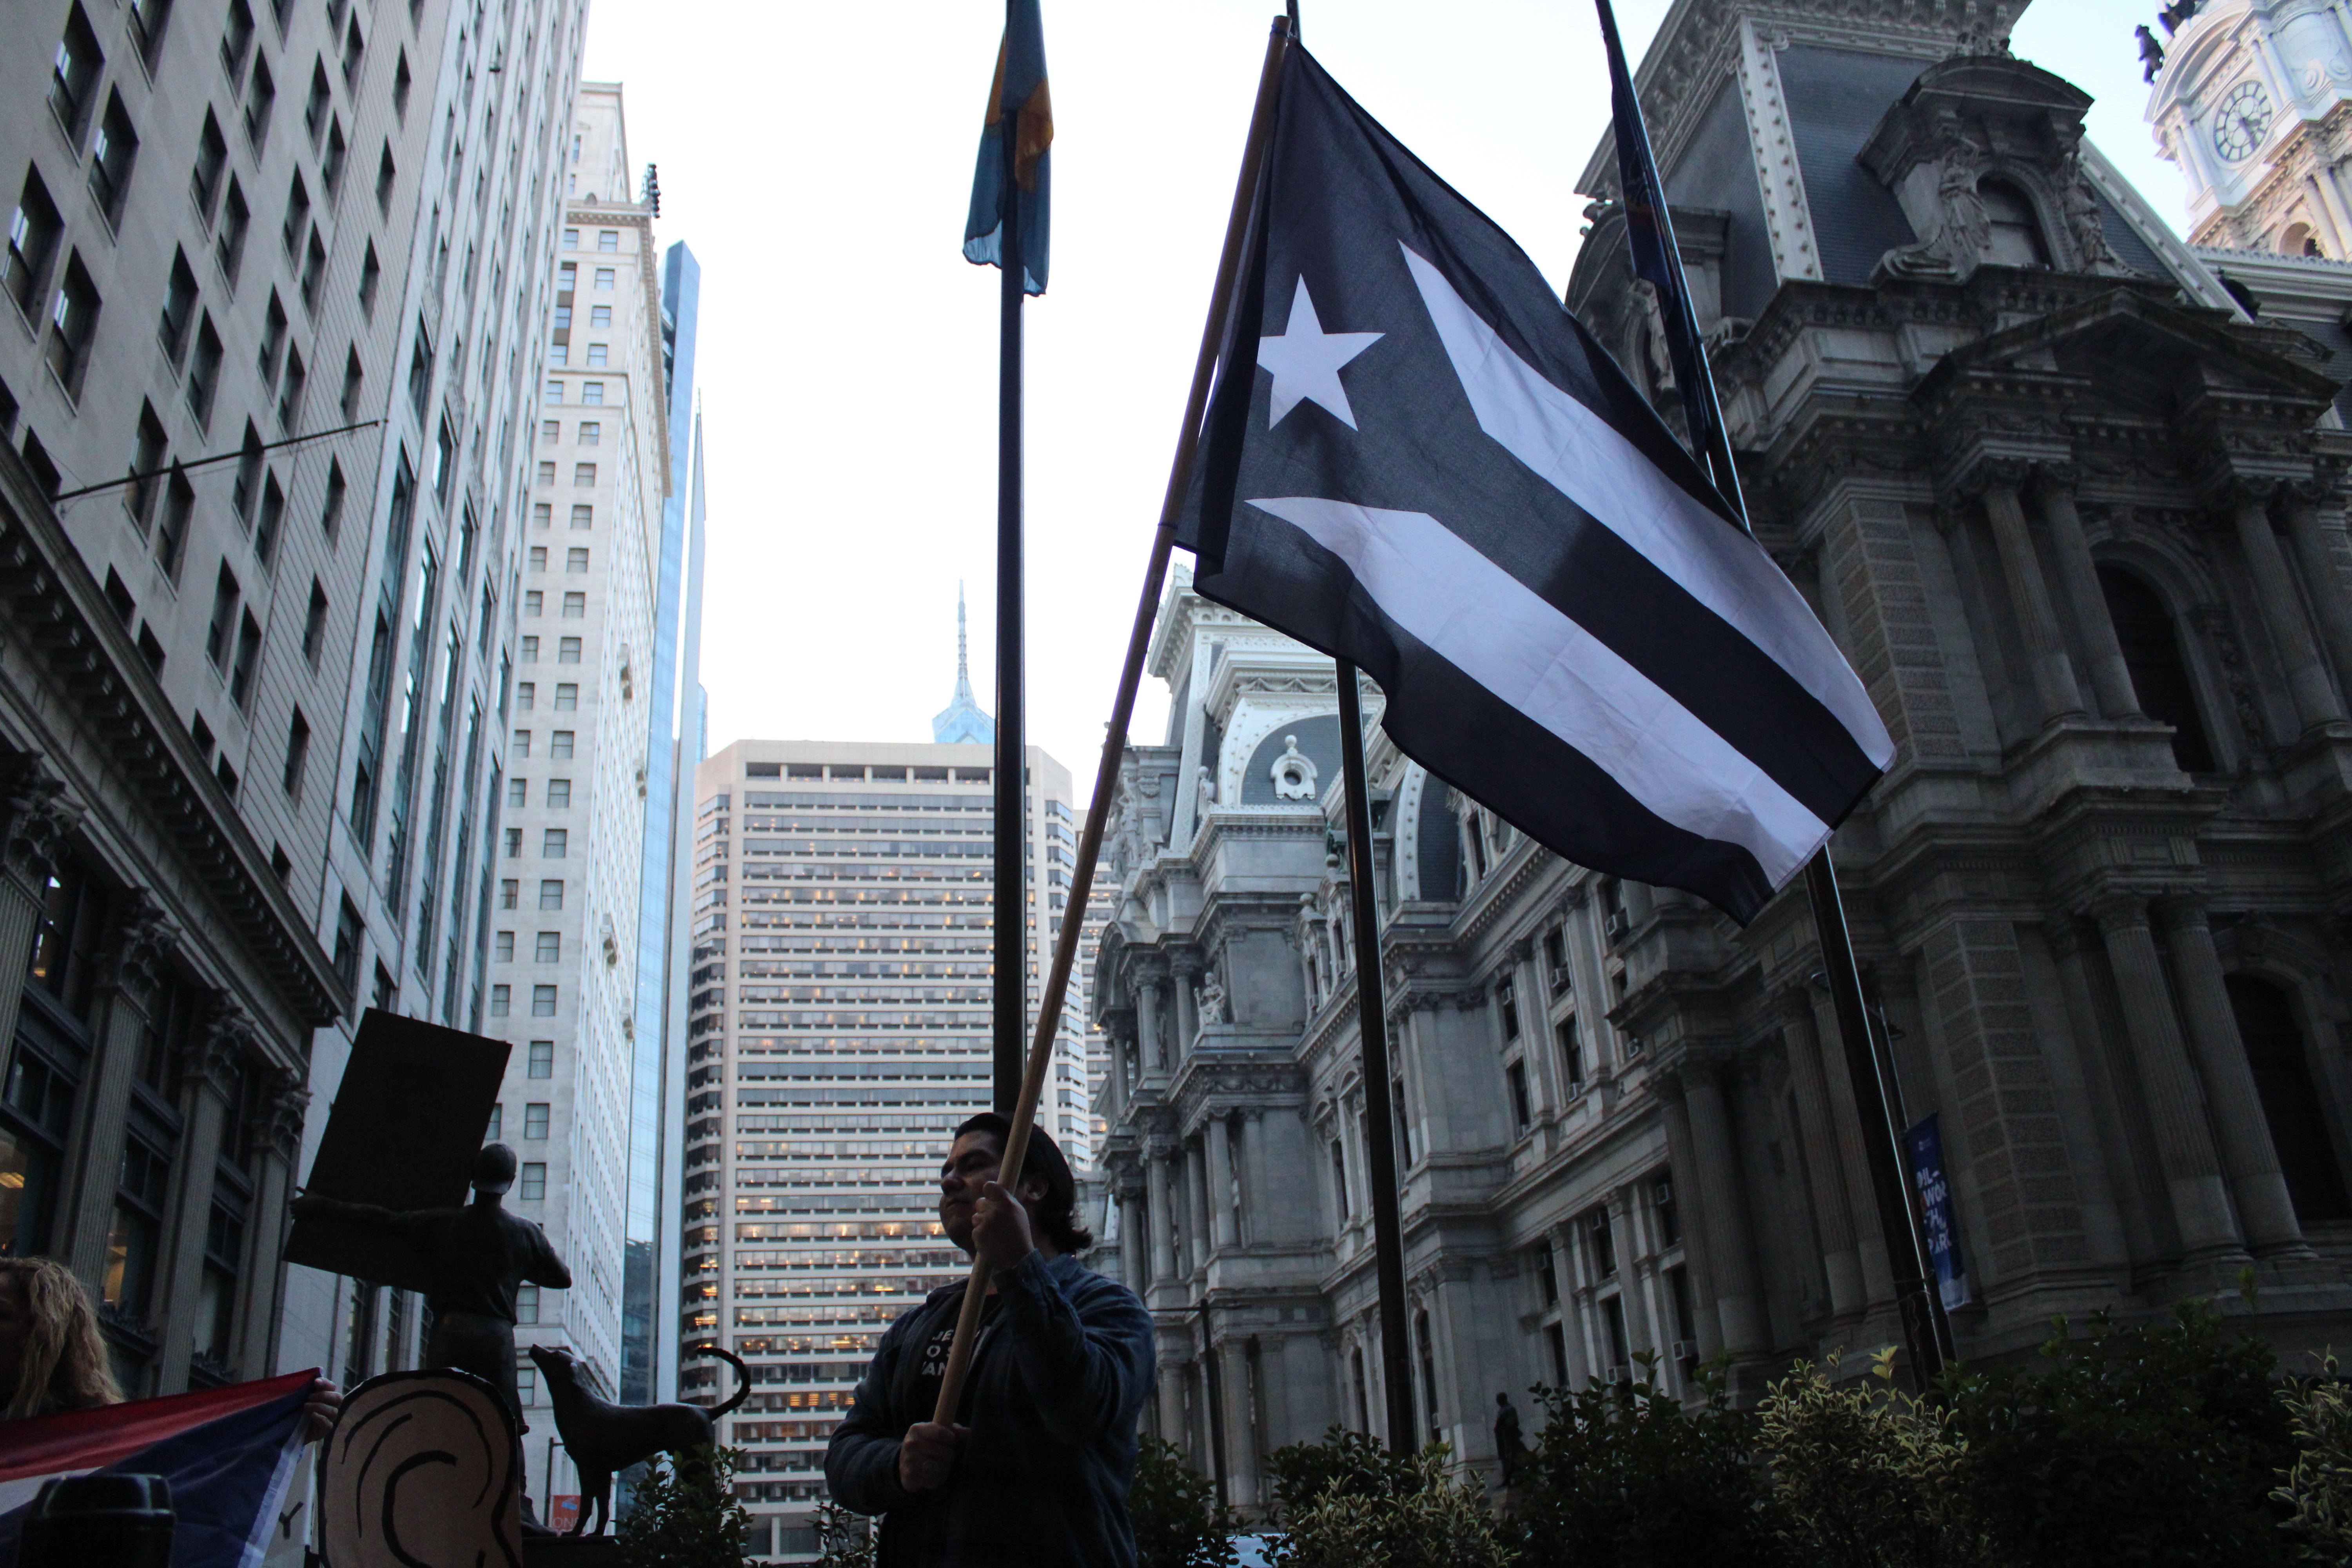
pixel 564 971
pixel 657 1090
pixel 259 266
pixel 840 1031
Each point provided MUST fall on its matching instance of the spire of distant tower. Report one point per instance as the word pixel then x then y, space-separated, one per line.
pixel 963 721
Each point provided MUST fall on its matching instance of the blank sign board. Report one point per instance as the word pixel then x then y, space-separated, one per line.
pixel 406 1123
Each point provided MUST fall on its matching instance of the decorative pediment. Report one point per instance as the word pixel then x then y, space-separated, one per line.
pixel 1984 156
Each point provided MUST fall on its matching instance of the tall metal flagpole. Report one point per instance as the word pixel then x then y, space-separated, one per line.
pixel 1372 1032
pixel 1122 707
pixel 1009 903
pixel 1927 1331
pixel 1372 1036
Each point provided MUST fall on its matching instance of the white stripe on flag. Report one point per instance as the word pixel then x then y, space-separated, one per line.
pixel 1583 455
pixel 1502 635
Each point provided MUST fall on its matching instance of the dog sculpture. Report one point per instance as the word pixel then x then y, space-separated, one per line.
pixel 602 1438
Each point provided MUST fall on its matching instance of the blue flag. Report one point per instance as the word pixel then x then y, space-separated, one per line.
pixel 1019 89
pixel 1650 233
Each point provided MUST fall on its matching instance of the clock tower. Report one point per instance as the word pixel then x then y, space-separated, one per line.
pixel 2254 100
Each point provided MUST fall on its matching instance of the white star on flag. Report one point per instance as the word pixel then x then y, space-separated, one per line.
pixel 1306 361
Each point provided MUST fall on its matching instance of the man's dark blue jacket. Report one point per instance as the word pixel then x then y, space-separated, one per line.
pixel 1057 1386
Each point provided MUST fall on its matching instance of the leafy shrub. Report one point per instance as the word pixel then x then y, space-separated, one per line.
pixel 1178 1521
pixel 685 1514
pixel 1625 1477
pixel 2151 1445
pixel 843 1540
pixel 1392 1513
pixel 1348 1462
pixel 1868 1476
pixel 2317 1487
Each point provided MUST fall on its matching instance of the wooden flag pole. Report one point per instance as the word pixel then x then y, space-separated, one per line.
pixel 1122 710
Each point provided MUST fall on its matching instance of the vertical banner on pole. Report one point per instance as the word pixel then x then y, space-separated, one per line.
pixel 1923 1141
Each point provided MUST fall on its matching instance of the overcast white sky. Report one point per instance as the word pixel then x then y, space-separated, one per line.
pixel 818 159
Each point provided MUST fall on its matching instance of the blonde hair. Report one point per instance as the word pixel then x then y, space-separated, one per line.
pixel 64 1364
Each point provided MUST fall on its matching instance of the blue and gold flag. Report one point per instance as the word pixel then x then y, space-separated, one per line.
pixel 1021 84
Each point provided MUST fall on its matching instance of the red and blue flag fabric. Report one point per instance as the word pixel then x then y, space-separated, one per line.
pixel 228 1453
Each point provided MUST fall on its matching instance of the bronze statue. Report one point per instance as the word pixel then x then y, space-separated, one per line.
pixel 480 1256
pixel 2151 53
pixel 604 1438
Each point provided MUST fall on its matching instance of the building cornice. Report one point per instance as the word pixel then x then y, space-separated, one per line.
pixel 63 627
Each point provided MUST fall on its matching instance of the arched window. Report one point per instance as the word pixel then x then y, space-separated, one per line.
pixel 2267 1022
pixel 2016 232
pixel 2151 648
pixel 2298 239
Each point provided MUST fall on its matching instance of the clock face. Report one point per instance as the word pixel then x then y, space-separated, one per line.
pixel 2242 121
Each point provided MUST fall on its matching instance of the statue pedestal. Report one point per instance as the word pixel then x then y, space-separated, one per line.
pixel 570 1551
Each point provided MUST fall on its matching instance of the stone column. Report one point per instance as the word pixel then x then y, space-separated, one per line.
pixel 2264 1209
pixel 1152 1055
pixel 2055 693
pixel 1160 1187
pixel 1731 1253
pixel 208 1070
pixel 1184 970
pixel 1240 1426
pixel 1196 1209
pixel 1121 1042
pixel 102 1106
pixel 41 820
pixel 2110 679
pixel 2282 610
pixel 2193 1170
pixel 1172 1373
pixel 2115 1234
pixel 279 1134
pixel 1681 1158
pixel 1824 1161
pixel 1846 1121
pixel 1220 1184
pixel 2315 549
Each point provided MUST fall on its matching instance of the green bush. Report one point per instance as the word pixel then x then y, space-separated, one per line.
pixel 1378 1513
pixel 685 1514
pixel 2148 1445
pixel 2317 1488
pixel 1626 1478
pixel 1178 1519
pixel 843 1540
pixel 1866 1476
pixel 1348 1462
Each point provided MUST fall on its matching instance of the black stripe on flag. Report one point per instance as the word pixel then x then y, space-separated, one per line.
pixel 1416 460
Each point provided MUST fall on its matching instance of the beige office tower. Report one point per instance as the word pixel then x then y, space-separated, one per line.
pixel 563 927
pixel 839 1031
pixel 248 701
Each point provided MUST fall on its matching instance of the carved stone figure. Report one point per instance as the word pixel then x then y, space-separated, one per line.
pixel 2084 224
pixel 1204 795
pixel 1211 1000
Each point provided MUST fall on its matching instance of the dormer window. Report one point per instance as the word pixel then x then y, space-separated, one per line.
pixel 2016 234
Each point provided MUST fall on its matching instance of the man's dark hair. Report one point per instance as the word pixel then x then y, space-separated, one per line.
pixel 1057 1214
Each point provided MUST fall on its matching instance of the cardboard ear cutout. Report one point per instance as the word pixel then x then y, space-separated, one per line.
pixel 422 1467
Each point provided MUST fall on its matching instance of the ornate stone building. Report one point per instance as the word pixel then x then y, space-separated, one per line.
pixel 2077 519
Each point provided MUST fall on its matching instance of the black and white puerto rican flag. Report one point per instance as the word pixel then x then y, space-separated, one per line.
pixel 1414 458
